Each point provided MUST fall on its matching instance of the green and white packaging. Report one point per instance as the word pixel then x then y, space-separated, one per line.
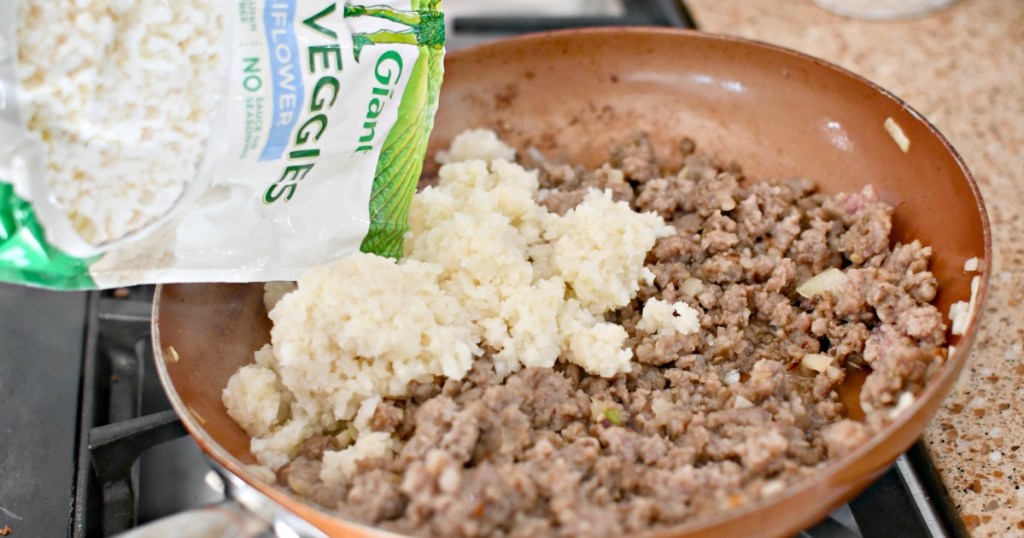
pixel 245 140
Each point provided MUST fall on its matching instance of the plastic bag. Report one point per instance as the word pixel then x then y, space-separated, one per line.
pixel 147 141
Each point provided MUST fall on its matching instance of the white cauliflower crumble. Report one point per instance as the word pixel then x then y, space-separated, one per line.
pixel 486 266
pixel 477 144
pixel 254 400
pixel 599 248
pixel 661 317
pixel 119 90
pixel 339 465
pixel 594 345
pixel 364 327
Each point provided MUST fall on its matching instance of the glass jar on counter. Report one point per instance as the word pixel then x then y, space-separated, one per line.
pixel 884 9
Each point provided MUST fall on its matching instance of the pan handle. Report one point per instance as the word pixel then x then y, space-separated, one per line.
pixel 246 513
pixel 228 519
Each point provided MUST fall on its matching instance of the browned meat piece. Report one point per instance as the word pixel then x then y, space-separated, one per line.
pixel 868 222
pixel 901 369
pixel 661 350
pixel 314 447
pixel 716 194
pixel 868 235
pixel 609 178
pixel 387 417
pixel 812 248
pixel 302 475
pixel 664 196
pixel 376 495
pixel 636 159
pixel 844 437
pixel 561 202
pixel 558 176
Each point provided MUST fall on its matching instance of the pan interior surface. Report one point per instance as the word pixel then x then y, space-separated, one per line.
pixel 571 96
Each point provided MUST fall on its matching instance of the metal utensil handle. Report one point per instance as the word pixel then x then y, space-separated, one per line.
pixel 228 519
pixel 246 513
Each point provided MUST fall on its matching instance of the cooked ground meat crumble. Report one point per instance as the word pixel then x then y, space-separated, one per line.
pixel 705 422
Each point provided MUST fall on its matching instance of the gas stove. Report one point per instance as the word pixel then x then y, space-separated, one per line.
pixel 89 445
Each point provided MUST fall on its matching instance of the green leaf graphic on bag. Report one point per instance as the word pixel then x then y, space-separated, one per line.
pixel 398 171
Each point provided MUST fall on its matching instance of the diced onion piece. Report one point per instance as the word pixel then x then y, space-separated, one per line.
pixel 959 314
pixel 742 403
pixel 955 309
pixel 816 361
pixel 197 415
pixel 906 400
pixel 691 287
pixel 896 132
pixel 731 377
pixel 829 280
pixel 967 313
pixel 971 265
pixel 952 351
pixel 772 486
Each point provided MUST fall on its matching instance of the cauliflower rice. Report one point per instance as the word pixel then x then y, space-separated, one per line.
pixel 119 89
pixel 486 267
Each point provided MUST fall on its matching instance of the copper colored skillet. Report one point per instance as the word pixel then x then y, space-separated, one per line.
pixel 571 95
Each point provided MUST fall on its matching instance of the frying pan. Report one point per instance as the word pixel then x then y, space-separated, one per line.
pixel 573 94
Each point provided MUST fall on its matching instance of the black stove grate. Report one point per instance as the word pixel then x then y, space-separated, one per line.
pixel 635 13
pixel 470 30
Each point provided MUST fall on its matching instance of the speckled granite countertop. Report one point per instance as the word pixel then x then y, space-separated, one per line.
pixel 963 68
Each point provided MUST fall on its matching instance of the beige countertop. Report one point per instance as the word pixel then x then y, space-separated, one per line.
pixel 963 68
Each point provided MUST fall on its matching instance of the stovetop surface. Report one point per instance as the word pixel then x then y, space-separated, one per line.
pixel 42 337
